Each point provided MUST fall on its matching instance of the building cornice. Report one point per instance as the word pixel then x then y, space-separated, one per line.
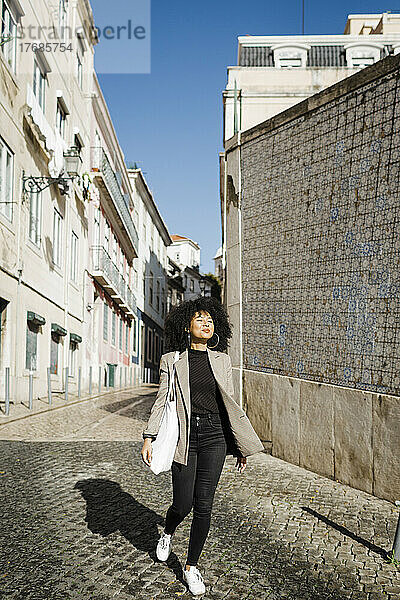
pixel 185 241
pixel 314 40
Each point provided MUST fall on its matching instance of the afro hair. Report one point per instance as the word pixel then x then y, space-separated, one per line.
pixel 179 317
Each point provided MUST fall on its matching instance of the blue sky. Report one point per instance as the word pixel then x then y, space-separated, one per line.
pixel 170 121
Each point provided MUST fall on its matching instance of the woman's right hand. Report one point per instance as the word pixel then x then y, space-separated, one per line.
pixel 146 451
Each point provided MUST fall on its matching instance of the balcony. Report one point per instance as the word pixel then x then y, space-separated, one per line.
pixel 106 179
pixel 42 127
pixel 106 273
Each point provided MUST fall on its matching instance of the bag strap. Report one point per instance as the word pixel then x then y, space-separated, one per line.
pixel 171 383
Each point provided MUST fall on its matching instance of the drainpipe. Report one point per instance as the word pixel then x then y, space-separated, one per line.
pixel 240 273
pixel 224 232
pixel 17 354
pixel 68 200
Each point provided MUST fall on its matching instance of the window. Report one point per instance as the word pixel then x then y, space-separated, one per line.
pixel 74 257
pixel 9 35
pixel 169 299
pixel 155 352
pixel 107 236
pixel 192 285
pixel 135 278
pixel 39 84
pixel 113 328
pixel 6 180
pixel 121 328
pixel 54 353
pixel 57 238
pixel 96 236
pixel 292 56
pixel 79 62
pixel 151 298
pixel 127 335
pixel 105 322
pixel 62 19
pixel 287 61
pixel 35 209
pixel 136 217
pixel 73 346
pixel 361 55
pixel 97 152
pixel 361 62
pixel 78 144
pixel 158 297
pixel 121 262
pixel 3 321
pixel 114 250
pixel 61 118
pixel 134 328
pixel 32 331
pixel 149 344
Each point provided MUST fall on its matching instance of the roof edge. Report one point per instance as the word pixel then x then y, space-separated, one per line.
pixel 341 88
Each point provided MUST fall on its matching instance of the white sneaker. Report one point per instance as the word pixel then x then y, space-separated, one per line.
pixel 163 547
pixel 194 580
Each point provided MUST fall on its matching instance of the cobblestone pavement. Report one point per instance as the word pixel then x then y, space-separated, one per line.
pixel 115 415
pixel 81 515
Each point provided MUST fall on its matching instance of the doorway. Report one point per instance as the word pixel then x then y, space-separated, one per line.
pixel 111 375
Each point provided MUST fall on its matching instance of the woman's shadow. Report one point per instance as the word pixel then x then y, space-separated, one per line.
pixel 110 509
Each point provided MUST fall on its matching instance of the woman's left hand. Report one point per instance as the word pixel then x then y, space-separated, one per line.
pixel 241 462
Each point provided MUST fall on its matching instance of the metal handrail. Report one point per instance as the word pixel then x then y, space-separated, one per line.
pixel 101 162
pixel 102 261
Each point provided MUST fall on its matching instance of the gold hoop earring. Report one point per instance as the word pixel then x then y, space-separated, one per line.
pixel 215 345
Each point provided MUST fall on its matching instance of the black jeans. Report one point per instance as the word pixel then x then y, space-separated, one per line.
pixel 194 484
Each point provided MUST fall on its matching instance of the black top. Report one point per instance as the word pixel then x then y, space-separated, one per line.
pixel 204 392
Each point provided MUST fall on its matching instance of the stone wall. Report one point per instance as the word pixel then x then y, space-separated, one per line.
pixel 320 243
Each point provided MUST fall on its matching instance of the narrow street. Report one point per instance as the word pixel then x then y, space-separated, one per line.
pixel 81 516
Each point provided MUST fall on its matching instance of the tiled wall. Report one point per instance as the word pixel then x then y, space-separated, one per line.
pixel 321 243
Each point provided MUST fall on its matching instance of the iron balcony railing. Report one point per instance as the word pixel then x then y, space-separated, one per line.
pixel 100 162
pixel 105 271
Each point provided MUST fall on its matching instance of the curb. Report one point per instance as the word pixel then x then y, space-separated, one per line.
pixel 70 403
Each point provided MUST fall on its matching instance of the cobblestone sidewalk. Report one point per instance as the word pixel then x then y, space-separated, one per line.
pixel 80 520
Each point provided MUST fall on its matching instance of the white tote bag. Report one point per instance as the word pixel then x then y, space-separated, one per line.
pixel 164 446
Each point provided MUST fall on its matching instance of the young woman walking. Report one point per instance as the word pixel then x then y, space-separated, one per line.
pixel 211 423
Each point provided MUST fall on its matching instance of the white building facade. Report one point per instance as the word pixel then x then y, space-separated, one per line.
pixel 111 315
pixel 45 113
pixel 186 254
pixel 275 72
pixel 149 276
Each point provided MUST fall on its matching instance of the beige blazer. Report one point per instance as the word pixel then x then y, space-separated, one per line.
pixel 242 439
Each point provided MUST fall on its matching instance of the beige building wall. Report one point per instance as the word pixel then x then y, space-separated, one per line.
pixel 112 248
pixel 267 91
pixel 150 275
pixel 34 275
